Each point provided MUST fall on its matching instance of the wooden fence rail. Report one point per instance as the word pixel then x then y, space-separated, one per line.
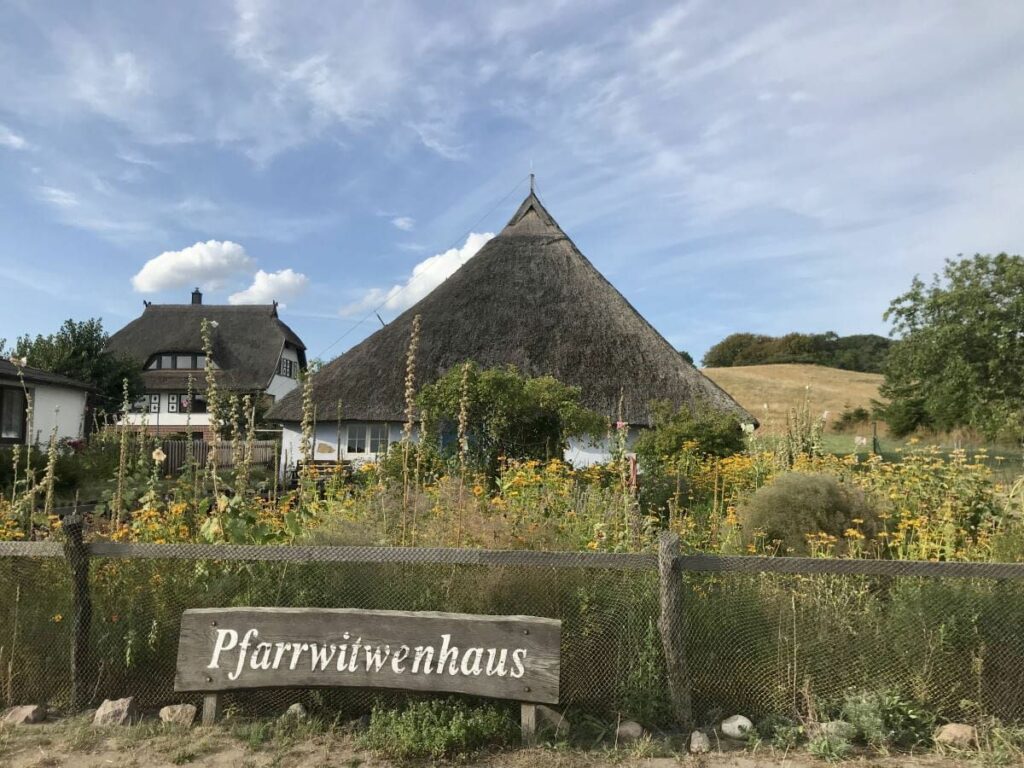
pixel 525 559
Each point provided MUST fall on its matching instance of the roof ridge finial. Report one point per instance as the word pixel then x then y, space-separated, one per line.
pixel 532 178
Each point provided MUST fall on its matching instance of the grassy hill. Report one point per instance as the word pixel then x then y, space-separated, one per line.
pixel 784 387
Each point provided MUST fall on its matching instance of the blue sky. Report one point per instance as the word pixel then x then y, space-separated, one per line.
pixel 729 166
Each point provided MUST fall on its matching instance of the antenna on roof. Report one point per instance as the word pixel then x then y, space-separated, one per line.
pixel 382 323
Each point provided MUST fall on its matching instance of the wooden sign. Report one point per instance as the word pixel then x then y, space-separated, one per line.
pixel 505 657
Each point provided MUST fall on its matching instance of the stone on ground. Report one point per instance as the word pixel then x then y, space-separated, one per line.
pixel 548 718
pixel 116 712
pixel 297 711
pixel 179 714
pixel 629 731
pixel 699 743
pixel 957 735
pixel 24 715
pixel 736 727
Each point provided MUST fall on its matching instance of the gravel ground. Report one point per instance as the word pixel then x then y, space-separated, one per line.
pixel 75 742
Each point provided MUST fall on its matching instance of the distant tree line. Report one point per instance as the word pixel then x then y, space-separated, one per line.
pixel 864 352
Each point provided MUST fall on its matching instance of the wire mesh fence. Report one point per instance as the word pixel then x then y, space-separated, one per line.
pixel 774 643
pixel 137 604
pixel 756 640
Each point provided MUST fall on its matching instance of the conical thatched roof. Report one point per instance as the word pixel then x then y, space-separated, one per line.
pixel 528 298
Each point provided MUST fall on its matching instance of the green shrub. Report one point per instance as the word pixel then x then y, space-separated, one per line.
pixel 712 432
pixel 779 731
pixel 886 719
pixel 852 417
pixel 7 466
pixel 278 733
pixel 829 747
pixel 784 513
pixel 863 710
pixel 675 433
pixel 909 724
pixel 505 413
pixel 436 729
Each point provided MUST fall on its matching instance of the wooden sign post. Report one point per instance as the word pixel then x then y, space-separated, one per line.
pixel 502 657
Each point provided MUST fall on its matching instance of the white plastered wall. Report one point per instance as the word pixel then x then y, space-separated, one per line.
pixel 55 407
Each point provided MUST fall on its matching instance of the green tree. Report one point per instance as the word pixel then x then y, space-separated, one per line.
pixel 712 432
pixel 506 414
pixel 658 449
pixel 860 352
pixel 960 359
pixel 724 353
pixel 77 350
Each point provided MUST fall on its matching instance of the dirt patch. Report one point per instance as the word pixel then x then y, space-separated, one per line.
pixel 76 743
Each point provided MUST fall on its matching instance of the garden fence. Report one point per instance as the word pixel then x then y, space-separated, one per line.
pixel 84 622
pixel 262 453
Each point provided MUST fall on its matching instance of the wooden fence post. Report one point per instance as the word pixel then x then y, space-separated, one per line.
pixel 77 555
pixel 528 724
pixel 211 708
pixel 672 625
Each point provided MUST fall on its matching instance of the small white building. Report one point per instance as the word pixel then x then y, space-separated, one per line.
pixel 58 406
pixel 254 353
pixel 528 299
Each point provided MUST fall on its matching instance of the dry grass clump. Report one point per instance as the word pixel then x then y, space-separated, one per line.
pixel 797 511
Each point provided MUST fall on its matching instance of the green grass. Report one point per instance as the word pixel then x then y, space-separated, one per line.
pixel 437 729
pixel 1005 461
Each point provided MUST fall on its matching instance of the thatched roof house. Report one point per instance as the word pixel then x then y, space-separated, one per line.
pixel 528 298
pixel 254 351
pixel 247 341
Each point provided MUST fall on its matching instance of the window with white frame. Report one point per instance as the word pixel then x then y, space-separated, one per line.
pixel 356 438
pixel 154 403
pixel 378 438
pixel 286 368
pixel 12 415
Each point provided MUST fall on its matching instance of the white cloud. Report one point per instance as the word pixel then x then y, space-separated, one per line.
pixel 206 264
pixel 404 223
pixel 271 286
pixel 109 83
pixel 10 139
pixel 425 277
pixel 58 197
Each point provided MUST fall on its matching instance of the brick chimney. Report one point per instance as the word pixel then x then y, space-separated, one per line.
pixel 197 297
